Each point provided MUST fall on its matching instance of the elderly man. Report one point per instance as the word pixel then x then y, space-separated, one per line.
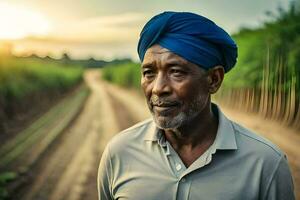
pixel 189 150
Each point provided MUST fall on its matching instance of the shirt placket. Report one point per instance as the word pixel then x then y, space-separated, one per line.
pixel 180 171
pixel 178 168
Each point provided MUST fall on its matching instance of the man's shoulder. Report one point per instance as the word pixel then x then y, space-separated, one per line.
pixel 130 137
pixel 251 142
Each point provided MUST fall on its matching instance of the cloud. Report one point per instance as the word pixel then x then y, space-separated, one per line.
pixel 106 29
pixel 125 19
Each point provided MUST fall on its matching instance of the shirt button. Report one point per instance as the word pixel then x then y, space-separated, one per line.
pixel 178 167
pixel 183 180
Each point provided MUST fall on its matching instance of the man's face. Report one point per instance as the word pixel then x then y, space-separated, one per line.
pixel 176 90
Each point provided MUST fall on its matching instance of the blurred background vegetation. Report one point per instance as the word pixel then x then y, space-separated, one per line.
pixel 125 74
pixel 30 85
pixel 267 76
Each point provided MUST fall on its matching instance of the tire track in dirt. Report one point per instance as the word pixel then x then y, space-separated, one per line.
pixel 71 185
pixel 132 100
pixel 125 119
pixel 64 170
pixel 123 116
pixel 118 107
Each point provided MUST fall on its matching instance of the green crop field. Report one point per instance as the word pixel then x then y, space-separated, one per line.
pixel 29 85
pixel 127 74
pixel 20 77
pixel 266 78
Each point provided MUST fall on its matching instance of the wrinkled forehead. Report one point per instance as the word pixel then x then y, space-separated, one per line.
pixel 159 53
pixel 158 56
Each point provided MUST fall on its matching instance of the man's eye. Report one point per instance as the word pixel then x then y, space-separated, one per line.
pixel 148 73
pixel 177 72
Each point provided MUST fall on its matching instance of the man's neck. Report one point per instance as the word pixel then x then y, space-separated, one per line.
pixel 194 138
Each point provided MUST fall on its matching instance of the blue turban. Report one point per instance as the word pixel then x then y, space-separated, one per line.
pixel 191 36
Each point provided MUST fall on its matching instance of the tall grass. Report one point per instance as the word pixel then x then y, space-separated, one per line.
pixel 19 77
pixel 266 79
pixel 126 74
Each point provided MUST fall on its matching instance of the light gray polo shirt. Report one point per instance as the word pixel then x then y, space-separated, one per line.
pixel 139 164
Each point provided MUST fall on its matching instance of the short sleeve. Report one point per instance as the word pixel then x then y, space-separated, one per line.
pixel 281 185
pixel 104 177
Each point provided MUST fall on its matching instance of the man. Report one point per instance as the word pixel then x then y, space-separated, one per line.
pixel 190 150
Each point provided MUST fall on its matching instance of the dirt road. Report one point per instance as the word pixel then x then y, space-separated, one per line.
pixel 69 169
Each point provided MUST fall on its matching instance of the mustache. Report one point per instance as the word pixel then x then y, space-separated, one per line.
pixel 163 101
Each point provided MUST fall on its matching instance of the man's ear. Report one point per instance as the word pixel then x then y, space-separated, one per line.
pixel 215 78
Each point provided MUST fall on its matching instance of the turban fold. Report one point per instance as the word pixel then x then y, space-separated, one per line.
pixel 191 36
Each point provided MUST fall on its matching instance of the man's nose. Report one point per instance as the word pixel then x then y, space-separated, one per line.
pixel 161 85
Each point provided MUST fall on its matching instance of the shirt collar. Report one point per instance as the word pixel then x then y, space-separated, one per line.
pixel 153 133
pixel 225 138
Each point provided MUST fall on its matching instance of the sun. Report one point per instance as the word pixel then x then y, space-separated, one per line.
pixel 18 22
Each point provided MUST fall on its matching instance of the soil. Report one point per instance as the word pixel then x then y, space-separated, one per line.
pixel 18 114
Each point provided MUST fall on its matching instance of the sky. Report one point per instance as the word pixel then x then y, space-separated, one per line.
pixel 106 29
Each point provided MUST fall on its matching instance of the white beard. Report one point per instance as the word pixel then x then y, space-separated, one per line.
pixel 165 123
pixel 181 118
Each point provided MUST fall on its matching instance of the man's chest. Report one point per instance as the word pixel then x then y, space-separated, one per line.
pixel 167 179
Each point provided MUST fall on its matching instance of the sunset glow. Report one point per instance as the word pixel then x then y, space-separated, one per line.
pixel 109 28
pixel 18 22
